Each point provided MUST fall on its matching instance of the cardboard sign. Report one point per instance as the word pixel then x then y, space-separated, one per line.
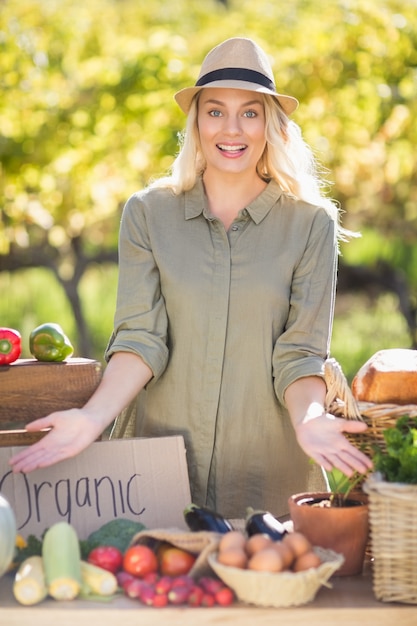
pixel 140 479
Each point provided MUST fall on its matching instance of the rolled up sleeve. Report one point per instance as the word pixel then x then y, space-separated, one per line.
pixel 140 323
pixel 304 345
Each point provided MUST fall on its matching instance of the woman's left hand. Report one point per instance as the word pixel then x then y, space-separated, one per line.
pixel 323 440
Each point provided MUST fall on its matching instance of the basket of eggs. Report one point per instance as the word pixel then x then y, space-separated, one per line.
pixel 269 572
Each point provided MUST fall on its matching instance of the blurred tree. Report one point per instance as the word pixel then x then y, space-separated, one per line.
pixel 87 116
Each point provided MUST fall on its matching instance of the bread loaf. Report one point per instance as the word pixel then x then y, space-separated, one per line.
pixel 389 376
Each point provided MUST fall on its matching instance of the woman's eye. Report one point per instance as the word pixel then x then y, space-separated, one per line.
pixel 215 113
pixel 250 114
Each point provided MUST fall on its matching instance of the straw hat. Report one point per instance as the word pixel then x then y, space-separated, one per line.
pixel 237 63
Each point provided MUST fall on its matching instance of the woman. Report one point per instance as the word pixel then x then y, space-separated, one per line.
pixel 225 302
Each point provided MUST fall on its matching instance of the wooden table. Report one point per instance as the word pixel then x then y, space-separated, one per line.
pixel 349 601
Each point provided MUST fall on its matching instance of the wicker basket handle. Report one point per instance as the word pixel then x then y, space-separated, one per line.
pixel 339 398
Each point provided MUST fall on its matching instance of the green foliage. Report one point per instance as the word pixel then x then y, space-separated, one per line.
pixel 341 485
pixel 87 113
pixel 33 547
pixel 362 326
pixel 398 463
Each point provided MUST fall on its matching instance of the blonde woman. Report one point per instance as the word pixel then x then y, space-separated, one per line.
pixel 225 303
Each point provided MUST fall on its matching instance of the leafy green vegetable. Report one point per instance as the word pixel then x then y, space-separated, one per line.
pixel 399 462
pixel 118 533
pixel 33 547
pixel 341 485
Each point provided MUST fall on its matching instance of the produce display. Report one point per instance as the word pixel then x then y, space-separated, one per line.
pixel 48 342
pixel 263 522
pixel 7 535
pixel 29 585
pixel 60 566
pixel 262 553
pixel 398 463
pixel 203 518
pixel 10 345
pixel 122 557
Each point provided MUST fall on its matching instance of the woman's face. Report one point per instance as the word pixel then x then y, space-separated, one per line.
pixel 231 124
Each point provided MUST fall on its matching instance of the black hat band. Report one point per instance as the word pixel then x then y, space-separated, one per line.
pixel 236 73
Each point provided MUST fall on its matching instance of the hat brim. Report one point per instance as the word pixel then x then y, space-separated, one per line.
pixel 184 96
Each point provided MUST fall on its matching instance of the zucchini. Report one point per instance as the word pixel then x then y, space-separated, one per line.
pixel 62 561
pixel 29 586
pixel 202 518
pixel 97 580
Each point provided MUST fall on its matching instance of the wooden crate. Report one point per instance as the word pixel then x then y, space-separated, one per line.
pixel 30 389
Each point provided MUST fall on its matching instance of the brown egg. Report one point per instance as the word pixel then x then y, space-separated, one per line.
pixel 298 543
pixel 287 555
pixel 233 557
pixel 232 539
pixel 266 560
pixel 306 561
pixel 258 542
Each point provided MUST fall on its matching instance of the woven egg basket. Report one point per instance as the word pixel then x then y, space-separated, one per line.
pixel 392 506
pixel 279 589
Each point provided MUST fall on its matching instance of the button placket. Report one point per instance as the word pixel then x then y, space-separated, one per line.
pixel 216 337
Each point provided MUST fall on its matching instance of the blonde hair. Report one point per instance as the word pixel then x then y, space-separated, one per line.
pixel 287 159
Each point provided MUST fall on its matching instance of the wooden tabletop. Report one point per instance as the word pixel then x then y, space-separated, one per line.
pixel 349 601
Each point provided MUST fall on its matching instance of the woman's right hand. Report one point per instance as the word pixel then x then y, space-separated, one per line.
pixel 73 430
pixel 70 432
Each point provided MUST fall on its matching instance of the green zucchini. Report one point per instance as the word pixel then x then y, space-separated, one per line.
pixel 29 585
pixel 62 561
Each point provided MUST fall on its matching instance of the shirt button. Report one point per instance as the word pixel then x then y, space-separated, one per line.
pixel 235 227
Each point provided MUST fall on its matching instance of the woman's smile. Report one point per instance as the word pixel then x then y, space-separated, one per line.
pixel 232 150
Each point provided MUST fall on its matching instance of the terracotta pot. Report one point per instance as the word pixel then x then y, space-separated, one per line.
pixel 342 529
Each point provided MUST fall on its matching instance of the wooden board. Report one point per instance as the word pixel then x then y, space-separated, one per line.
pixel 31 389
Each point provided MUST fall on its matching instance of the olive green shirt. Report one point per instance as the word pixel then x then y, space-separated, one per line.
pixel 226 321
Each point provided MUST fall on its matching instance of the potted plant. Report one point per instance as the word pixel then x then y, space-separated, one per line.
pixel 392 492
pixel 336 519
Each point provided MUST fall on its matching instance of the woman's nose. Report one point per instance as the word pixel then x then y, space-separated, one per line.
pixel 232 124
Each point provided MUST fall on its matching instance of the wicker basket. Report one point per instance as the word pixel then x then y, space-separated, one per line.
pixel 278 589
pixel 341 403
pixel 392 516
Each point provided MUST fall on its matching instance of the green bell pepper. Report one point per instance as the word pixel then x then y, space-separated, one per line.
pixel 48 342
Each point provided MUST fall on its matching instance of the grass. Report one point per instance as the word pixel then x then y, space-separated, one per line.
pixel 362 327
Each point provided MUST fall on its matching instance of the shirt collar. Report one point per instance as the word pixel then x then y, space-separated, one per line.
pixel 196 201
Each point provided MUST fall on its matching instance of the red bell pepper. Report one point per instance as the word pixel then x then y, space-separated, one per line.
pixel 10 345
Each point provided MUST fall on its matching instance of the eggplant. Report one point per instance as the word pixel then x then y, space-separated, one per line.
pixel 202 518
pixel 263 522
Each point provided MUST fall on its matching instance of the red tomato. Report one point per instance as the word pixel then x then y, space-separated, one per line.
pixel 140 560
pixel 175 562
pixel 106 557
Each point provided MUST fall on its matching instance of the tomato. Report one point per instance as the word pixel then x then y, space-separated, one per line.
pixel 139 561
pixel 106 557
pixel 175 561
